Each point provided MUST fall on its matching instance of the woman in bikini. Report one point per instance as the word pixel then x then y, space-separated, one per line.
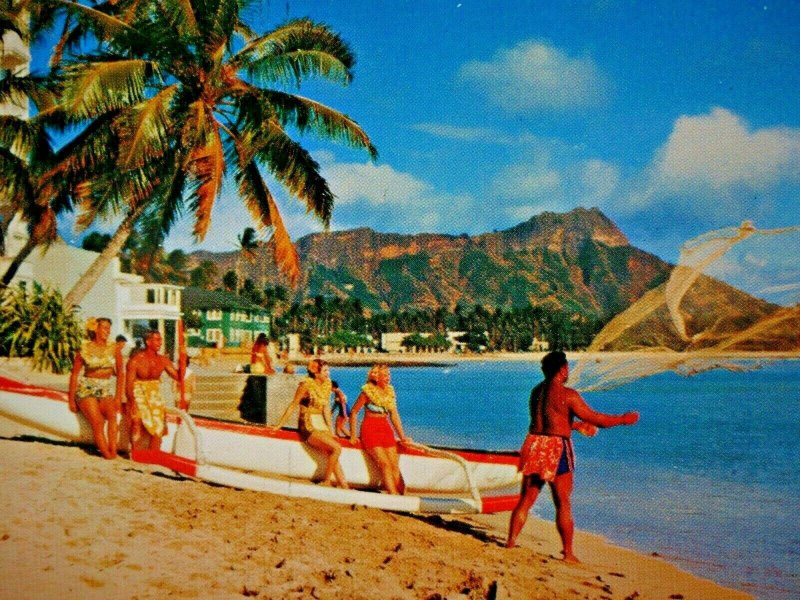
pixel 95 392
pixel 313 399
pixel 377 437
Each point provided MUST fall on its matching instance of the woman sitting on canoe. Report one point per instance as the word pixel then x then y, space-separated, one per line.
pixel 313 399
pixel 95 392
pixel 380 408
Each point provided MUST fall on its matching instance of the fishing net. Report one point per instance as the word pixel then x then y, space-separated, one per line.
pixel 707 314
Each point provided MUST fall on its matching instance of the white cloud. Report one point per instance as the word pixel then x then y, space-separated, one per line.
pixel 375 184
pixel 549 182
pixel 600 180
pixel 525 182
pixel 463 134
pixel 719 150
pixel 380 197
pixel 535 75
pixel 778 289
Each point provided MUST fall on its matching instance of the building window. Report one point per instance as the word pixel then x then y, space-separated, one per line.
pixel 214 335
pixel 214 315
pixel 151 296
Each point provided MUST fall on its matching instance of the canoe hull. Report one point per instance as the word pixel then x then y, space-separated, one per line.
pixel 255 458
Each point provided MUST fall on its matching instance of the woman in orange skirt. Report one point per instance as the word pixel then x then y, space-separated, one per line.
pixel 379 402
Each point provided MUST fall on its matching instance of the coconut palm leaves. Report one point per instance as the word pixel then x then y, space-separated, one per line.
pixel 181 109
pixel 26 154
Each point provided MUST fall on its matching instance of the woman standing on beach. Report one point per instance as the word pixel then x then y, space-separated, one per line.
pixel 260 362
pixel 93 392
pixel 380 408
pixel 313 399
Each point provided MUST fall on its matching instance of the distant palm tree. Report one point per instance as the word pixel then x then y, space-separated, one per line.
pixel 248 244
pixel 181 108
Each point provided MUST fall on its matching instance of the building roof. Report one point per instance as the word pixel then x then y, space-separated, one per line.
pixel 195 298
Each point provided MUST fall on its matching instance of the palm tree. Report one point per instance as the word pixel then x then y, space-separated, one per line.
pixel 182 108
pixel 248 244
pixel 25 155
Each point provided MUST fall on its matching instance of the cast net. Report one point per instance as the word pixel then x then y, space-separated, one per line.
pixel 734 295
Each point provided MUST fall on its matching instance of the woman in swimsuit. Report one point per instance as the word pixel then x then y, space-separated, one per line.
pixel 95 392
pixel 313 399
pixel 380 414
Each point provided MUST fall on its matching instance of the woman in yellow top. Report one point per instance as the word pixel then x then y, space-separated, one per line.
pixel 380 407
pixel 95 392
pixel 313 399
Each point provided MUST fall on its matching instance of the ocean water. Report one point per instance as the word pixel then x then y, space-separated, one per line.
pixel 709 478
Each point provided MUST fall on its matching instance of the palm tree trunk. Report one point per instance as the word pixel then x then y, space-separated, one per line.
pixel 92 274
pixel 18 260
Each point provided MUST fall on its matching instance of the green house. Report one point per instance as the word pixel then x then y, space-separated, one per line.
pixel 223 318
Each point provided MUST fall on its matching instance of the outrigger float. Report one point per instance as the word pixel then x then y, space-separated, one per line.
pixel 438 480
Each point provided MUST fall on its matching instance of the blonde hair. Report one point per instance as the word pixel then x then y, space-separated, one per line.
pixel 372 374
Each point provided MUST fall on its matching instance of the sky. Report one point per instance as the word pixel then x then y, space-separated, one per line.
pixel 672 117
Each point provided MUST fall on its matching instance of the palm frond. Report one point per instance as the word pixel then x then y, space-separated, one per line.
pixel 39 90
pixel 104 25
pixel 15 181
pixel 294 52
pixel 207 166
pixel 144 130
pixel 18 136
pixel 296 169
pixel 307 114
pixel 93 88
pixel 261 204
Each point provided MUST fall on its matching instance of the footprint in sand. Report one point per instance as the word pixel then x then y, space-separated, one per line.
pixel 111 560
pixel 91 582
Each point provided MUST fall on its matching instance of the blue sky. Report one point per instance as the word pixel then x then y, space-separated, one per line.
pixel 673 118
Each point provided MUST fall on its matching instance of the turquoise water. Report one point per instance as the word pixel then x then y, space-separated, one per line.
pixel 709 478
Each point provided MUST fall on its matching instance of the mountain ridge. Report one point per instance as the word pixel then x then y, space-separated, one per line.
pixel 578 261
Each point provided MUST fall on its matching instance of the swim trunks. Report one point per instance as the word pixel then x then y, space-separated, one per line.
pixel 152 410
pixel 546 456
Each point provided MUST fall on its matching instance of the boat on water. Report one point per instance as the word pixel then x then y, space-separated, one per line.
pixel 438 480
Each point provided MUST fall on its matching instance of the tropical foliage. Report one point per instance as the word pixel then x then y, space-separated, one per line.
pixel 36 325
pixel 498 329
pixel 426 343
pixel 341 340
pixel 173 97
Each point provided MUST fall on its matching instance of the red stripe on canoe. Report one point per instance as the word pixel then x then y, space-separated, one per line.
pixel 156 457
pixel 17 387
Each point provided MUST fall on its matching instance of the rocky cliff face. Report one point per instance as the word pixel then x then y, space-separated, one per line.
pixel 578 260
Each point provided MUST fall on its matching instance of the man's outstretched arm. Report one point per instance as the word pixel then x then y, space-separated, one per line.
pixel 584 412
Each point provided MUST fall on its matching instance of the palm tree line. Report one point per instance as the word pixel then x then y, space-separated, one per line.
pixel 159 101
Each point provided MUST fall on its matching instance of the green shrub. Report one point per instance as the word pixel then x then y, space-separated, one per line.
pixel 35 325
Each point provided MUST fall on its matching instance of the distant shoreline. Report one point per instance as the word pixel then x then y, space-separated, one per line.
pixel 402 359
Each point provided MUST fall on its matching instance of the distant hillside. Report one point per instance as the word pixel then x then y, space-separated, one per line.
pixel 716 316
pixel 579 261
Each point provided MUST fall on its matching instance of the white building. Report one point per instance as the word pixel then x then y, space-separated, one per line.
pixel 132 305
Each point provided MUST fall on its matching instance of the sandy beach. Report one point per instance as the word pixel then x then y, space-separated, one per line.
pixel 77 526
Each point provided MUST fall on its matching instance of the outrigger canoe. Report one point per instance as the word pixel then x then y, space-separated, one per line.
pixel 438 480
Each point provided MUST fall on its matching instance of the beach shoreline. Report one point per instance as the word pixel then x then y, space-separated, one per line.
pixel 78 526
